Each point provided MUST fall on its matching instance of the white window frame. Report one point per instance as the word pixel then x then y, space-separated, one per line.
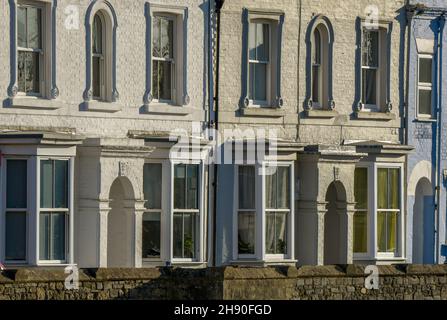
pixel 67 211
pixel 424 86
pixel 5 210
pixel 172 60
pixel 42 52
pixel 260 217
pixel 372 107
pixel 268 64
pixel 200 214
pixel 370 201
pixel 316 104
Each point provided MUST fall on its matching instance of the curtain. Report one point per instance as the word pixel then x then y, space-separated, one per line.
pixel 246 232
pixel 270 233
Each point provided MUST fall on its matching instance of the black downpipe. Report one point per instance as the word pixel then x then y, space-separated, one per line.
pixel 219 5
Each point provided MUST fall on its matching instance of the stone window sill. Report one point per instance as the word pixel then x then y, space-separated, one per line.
pixel 103 106
pixel 362 115
pixel 36 103
pixel 263 112
pixel 422 119
pixel 321 114
pixel 168 109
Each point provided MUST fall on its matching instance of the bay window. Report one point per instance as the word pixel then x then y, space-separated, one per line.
pixel 186 212
pixel 30 49
pixel 54 209
pixel 152 187
pixel 262 217
pixel 16 211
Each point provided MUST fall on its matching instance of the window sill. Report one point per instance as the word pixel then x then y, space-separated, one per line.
pixel 36 103
pixel 362 115
pixel 423 119
pixel 264 263
pixel 321 114
pixel 268 112
pixel 103 106
pixel 168 109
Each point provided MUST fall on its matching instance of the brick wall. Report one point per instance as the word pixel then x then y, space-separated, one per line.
pixel 328 282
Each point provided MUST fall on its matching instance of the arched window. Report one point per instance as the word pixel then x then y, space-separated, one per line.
pixel 320 41
pixel 98 57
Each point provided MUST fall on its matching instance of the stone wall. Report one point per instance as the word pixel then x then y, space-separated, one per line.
pixel 328 282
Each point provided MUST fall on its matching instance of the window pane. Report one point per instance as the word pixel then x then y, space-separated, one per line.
pixel 156 50
pixel 96 77
pixel 270 191
pixel 360 232
pixel 425 102
pixel 21 72
pixel 61 184
pixel 369 86
pixel 381 231
pixel 44 235
pixel 262 42
pixel 246 233
pixel 316 84
pixel 164 80
pixel 393 189
pixel 246 187
pixel 179 186
pixel 252 41
pixel 283 188
pixel 193 187
pixel 155 80
pixel 152 184
pixel 178 235
pixel 281 233
pixel 46 184
pixel 151 235
pixel 425 70
pixel 258 74
pixel 270 232
pixel 97 35
pixel 166 38
pixel 16 184
pixel 361 188
pixel 34 28
pixel 21 27
pixel 15 228
pixel 370 48
pixel 57 236
pixel 189 235
pixel 382 188
pixel 316 56
pixel 391 231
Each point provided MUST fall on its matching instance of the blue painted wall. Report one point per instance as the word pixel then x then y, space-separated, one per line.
pixel 423 135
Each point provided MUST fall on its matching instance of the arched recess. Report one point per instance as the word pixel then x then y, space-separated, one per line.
pixel 319 43
pixel 120 224
pixel 110 23
pixel 423 223
pixel 336 225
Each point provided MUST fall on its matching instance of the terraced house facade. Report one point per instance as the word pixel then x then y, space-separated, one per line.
pixel 292 116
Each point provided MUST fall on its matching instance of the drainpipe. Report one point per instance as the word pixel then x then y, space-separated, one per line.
pixel 215 121
pixel 439 135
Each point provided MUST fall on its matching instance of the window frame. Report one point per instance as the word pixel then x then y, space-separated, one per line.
pixel 424 86
pixel 5 210
pixel 102 58
pixel 42 53
pixel 199 223
pixel 370 200
pixel 174 18
pixel 268 64
pixel 372 107
pixel 66 211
